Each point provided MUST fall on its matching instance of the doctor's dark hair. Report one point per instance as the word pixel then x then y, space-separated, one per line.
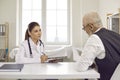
pixel 30 27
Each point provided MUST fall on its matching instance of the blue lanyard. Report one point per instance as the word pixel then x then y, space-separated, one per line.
pixel 41 43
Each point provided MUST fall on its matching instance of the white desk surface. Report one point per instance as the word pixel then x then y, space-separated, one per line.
pixel 61 70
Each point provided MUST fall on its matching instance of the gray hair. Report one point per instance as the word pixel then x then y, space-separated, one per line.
pixel 92 17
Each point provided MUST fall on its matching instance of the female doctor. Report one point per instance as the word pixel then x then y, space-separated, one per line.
pixel 32 49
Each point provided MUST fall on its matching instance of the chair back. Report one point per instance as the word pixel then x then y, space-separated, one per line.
pixel 116 74
pixel 12 54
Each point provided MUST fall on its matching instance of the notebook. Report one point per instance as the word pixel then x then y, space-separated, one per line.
pixel 11 67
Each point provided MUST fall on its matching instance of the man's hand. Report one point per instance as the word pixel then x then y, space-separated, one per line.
pixel 43 58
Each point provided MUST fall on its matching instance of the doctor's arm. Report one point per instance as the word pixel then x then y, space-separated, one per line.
pixel 23 57
pixel 43 57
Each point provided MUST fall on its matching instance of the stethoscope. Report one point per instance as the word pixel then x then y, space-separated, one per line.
pixel 41 44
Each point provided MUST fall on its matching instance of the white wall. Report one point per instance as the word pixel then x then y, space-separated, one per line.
pixel 79 8
pixel 108 6
pixel 8 14
pixel 76 23
pixel 88 6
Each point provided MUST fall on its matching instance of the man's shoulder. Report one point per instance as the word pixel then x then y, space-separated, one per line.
pixel 94 36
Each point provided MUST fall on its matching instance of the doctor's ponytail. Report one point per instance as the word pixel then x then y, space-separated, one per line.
pixel 27 35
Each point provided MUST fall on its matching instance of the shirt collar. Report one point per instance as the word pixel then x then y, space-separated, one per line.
pixel 97 29
pixel 31 42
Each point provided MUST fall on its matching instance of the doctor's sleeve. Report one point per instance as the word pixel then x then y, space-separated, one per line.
pixel 43 49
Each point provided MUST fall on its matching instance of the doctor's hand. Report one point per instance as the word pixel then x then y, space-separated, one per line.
pixel 43 58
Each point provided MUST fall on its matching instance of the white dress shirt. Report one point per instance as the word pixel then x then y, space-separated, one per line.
pixel 92 49
pixel 23 55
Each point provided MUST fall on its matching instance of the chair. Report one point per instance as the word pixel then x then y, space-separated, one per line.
pixel 12 54
pixel 116 74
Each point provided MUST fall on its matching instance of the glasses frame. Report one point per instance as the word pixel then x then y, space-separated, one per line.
pixel 85 27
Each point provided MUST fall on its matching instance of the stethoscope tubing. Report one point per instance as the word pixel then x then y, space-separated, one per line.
pixel 41 44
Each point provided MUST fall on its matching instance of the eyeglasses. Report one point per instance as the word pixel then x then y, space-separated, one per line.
pixel 84 27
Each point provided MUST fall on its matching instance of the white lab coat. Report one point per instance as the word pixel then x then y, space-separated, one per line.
pixel 23 55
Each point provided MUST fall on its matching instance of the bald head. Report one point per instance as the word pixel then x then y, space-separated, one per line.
pixel 92 18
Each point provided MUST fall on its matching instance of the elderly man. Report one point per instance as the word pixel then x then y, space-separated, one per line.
pixel 102 46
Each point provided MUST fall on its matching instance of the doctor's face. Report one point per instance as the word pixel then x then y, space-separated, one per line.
pixel 36 33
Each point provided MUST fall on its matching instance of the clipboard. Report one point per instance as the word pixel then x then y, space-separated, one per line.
pixel 11 67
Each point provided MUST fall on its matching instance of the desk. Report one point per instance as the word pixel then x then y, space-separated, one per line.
pixel 61 70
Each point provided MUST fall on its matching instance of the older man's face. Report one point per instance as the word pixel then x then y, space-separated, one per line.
pixel 85 24
pixel 86 27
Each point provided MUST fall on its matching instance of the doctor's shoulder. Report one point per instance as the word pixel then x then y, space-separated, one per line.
pixel 23 47
pixel 24 44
